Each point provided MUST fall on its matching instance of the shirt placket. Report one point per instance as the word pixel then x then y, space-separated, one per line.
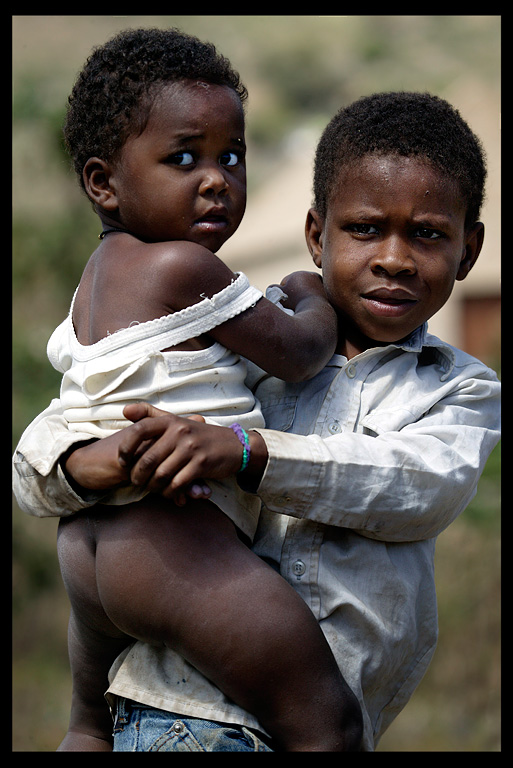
pixel 303 538
pixel 341 407
pixel 300 560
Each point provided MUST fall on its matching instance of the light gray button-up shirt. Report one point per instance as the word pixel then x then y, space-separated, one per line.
pixel 372 459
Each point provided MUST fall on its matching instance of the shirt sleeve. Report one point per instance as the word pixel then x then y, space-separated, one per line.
pixel 403 485
pixel 39 483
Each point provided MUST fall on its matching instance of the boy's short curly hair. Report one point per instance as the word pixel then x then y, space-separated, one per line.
pixel 401 123
pixel 113 94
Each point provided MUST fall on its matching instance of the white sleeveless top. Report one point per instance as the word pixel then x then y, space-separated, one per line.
pixel 128 366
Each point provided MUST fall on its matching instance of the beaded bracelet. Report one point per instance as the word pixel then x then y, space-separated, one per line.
pixel 244 439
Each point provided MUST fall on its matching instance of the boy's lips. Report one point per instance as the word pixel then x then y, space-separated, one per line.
pixel 389 302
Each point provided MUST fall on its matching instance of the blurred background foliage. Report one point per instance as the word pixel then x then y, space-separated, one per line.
pixel 299 70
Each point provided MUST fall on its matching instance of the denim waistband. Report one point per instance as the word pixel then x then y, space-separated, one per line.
pixel 141 728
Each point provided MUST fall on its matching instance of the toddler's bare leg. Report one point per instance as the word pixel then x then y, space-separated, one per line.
pixel 181 576
pixel 93 641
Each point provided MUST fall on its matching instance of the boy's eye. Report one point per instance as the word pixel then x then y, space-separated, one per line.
pixel 363 229
pixel 229 159
pixel 426 233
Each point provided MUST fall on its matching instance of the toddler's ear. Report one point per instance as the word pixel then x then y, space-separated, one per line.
pixel 473 244
pixel 96 176
pixel 313 233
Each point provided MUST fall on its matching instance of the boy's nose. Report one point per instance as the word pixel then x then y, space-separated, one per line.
pixel 393 256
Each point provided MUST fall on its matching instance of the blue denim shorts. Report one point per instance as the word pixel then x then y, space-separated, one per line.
pixel 138 728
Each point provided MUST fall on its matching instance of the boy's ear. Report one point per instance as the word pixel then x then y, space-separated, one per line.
pixel 96 176
pixel 473 244
pixel 313 233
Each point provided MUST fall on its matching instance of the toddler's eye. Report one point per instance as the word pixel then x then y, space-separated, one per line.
pixel 229 158
pixel 182 158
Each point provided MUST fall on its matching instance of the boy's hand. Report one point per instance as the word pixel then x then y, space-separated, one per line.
pixel 166 454
pixel 94 465
pixel 179 453
pixel 170 455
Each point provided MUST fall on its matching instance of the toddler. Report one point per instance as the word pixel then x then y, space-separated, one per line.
pixel 155 127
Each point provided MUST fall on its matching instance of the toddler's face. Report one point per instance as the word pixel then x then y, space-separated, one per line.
pixel 184 176
pixel 391 246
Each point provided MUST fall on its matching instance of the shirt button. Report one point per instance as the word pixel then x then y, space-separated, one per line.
pixel 334 427
pixel 298 568
pixel 351 371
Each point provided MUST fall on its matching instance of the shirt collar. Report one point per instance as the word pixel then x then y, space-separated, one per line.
pixel 433 348
pixel 419 341
pixel 415 341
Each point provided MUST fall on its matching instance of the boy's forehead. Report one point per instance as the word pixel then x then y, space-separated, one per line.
pixel 385 167
pixel 377 175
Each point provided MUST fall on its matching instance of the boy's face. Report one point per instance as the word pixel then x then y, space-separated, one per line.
pixel 391 246
pixel 184 176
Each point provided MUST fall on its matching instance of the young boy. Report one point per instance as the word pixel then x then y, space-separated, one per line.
pixel 360 468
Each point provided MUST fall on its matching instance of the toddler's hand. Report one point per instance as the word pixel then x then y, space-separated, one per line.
pixel 301 285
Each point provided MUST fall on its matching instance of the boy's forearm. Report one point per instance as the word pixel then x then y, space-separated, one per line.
pixel 386 490
pixel 94 465
pixel 49 494
pixel 39 482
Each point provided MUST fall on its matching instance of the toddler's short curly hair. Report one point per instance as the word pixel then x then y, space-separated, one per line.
pixel 401 123
pixel 113 93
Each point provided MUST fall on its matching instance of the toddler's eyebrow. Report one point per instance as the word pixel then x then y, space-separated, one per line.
pixel 187 138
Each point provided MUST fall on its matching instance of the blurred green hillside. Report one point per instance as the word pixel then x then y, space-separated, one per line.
pixel 299 70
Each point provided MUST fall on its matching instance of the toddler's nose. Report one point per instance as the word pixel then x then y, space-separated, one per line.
pixel 214 181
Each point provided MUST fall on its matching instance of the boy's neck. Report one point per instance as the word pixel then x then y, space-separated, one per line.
pixel 352 343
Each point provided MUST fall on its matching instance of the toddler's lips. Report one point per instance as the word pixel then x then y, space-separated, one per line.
pixel 211 223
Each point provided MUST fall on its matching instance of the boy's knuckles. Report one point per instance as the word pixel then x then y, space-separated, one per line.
pixel 147 461
pixel 161 475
